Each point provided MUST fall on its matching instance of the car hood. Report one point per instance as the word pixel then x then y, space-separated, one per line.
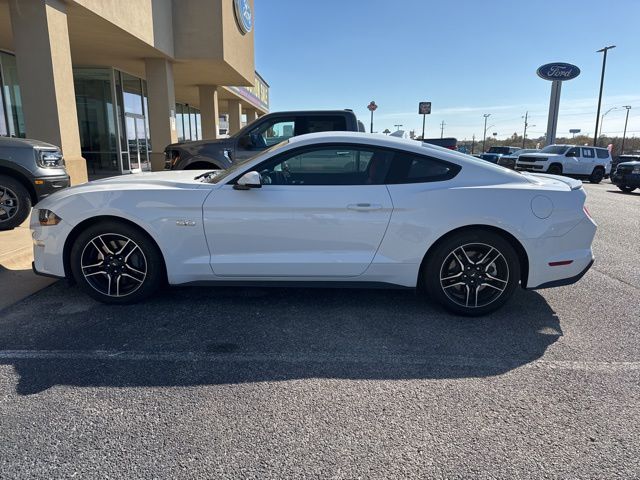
pixel 198 145
pixel 166 180
pixel 24 143
pixel 630 164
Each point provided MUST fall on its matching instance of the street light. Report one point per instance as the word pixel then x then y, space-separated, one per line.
pixel 602 119
pixel 604 64
pixel 628 107
pixel 484 137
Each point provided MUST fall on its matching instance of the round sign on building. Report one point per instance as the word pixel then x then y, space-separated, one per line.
pixel 244 15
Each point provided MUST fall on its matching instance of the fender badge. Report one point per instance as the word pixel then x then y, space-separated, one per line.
pixel 186 223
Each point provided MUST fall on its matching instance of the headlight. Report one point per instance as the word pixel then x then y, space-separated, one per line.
pixel 49 158
pixel 48 218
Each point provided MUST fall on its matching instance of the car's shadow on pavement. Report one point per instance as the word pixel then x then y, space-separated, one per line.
pixel 208 336
pixel 635 193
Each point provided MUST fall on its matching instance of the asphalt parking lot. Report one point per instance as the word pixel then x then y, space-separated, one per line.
pixel 274 383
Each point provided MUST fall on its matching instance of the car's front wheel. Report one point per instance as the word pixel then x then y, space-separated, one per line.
pixel 15 203
pixel 472 272
pixel 626 189
pixel 116 263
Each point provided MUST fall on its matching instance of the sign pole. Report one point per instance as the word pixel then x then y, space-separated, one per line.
pixel 554 107
pixel 424 118
pixel 371 121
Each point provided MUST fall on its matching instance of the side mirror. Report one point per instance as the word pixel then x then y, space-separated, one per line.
pixel 248 180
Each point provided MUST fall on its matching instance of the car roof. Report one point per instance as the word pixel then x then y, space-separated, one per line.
pixel 406 144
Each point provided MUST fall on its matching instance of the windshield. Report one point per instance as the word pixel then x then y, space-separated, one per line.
pixel 216 175
pixel 555 149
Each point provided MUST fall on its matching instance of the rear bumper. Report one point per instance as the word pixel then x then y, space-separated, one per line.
pixel 564 281
pixel 556 261
pixel 45 186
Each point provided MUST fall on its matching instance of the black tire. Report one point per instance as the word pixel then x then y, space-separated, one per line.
pixel 597 175
pixel 116 263
pixel 626 189
pixel 555 170
pixel 492 290
pixel 15 203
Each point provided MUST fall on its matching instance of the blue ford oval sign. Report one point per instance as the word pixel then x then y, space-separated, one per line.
pixel 558 71
pixel 244 16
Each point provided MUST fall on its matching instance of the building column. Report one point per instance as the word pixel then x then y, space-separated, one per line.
pixel 43 57
pixel 162 108
pixel 235 116
pixel 252 115
pixel 209 112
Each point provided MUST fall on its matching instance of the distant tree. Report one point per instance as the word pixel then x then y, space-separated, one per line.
pixel 386 131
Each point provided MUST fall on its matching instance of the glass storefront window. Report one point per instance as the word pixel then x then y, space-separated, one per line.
pixel 11 94
pixel 179 122
pixel 3 119
pixel 97 121
pixel 132 94
pixel 188 123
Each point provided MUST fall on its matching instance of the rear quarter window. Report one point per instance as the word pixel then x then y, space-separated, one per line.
pixel 411 168
pixel 325 123
pixel 602 153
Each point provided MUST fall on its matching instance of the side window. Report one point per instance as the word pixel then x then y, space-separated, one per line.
pixel 274 132
pixel 573 152
pixel 335 165
pixel 602 153
pixel 325 123
pixel 409 168
pixel 588 153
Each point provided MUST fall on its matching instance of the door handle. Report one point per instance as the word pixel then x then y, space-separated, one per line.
pixel 364 207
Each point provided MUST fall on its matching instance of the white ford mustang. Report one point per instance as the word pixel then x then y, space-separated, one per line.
pixel 343 209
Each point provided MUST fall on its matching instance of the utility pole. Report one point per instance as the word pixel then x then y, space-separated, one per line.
pixel 604 64
pixel 626 120
pixel 398 125
pixel 484 137
pixel 524 135
pixel 473 143
pixel 442 124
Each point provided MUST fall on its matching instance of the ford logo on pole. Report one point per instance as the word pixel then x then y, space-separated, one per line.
pixel 558 71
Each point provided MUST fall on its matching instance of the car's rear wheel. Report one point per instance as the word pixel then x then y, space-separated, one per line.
pixel 473 272
pixel 597 175
pixel 626 189
pixel 116 263
pixel 15 203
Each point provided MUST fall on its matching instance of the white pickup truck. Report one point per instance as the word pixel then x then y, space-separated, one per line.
pixel 591 163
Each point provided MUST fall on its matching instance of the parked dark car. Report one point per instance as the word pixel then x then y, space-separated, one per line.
pixel 494 153
pixel 509 161
pixel 29 171
pixel 263 133
pixel 623 158
pixel 627 176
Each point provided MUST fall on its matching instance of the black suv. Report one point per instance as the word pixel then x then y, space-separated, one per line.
pixel 29 171
pixel 627 174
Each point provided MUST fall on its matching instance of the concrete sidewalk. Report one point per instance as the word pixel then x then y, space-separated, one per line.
pixel 17 280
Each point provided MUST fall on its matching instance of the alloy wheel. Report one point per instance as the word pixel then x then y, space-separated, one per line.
pixel 113 265
pixel 9 204
pixel 474 275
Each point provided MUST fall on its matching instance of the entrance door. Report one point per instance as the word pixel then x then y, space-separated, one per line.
pixel 137 143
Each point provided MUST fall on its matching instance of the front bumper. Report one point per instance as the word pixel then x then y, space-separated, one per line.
pixel 530 167
pixel 626 179
pixel 45 186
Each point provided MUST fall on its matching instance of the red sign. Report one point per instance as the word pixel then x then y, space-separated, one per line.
pixel 372 106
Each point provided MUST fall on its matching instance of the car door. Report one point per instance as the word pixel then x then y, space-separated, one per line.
pixel 321 212
pixel 571 164
pixel 587 161
pixel 265 135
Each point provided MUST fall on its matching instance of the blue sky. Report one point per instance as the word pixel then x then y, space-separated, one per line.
pixel 467 57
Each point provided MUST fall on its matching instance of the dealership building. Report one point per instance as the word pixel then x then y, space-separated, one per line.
pixel 112 82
